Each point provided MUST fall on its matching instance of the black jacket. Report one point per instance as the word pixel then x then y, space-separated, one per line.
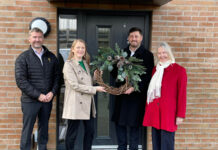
pixel 33 78
pixel 129 109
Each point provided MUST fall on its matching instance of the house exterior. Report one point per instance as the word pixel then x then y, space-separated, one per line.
pixel 189 26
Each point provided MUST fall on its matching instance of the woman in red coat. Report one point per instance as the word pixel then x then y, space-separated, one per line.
pixel 166 99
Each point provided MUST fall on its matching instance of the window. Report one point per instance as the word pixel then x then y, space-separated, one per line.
pixel 67 33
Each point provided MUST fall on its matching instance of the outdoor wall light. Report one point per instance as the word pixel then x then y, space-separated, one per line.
pixel 42 24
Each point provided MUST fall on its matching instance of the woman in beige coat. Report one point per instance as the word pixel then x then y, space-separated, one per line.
pixel 78 101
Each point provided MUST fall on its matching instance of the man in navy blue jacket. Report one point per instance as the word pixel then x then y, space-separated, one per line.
pixel 37 76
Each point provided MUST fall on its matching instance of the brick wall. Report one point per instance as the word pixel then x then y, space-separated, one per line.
pixel 191 28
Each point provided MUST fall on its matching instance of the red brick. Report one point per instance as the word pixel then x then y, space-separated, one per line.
pixel 190 23
pixel 207 34
pixel 204 45
pixel 7 13
pixel 15 116
pixel 181 49
pixel 159 33
pixel 13 30
pixel 210 14
pixel 212 18
pixel 14 51
pixel 215 8
pixel 193 39
pixel 2 94
pixel 23 14
pixel 23 3
pixel 191 13
pixel 199 8
pixel 179 8
pixel 50 9
pixel 199 19
pixel 174 33
pixel 3 146
pixel 175 13
pixel 15 126
pixel 156 17
pixel 198 29
pixel 41 4
pixel 189 34
pixel 159 12
pixel 3 7
pixel 159 23
pixel 14 136
pixel 13 147
pixel 184 18
pixel 168 18
pixel 6 57
pixel 14 8
pixel 32 8
pixel 212 39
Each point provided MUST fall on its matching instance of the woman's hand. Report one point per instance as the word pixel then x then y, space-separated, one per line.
pixel 100 89
pixel 179 120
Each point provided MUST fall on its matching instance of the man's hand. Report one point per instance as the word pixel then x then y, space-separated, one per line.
pixel 49 96
pixel 129 91
pixel 42 98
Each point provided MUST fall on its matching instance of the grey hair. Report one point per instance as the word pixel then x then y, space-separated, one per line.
pixel 35 29
pixel 167 48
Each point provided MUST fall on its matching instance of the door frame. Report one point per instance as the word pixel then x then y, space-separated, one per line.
pixel 81 33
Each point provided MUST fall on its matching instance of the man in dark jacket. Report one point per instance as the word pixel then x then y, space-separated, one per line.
pixel 37 76
pixel 129 107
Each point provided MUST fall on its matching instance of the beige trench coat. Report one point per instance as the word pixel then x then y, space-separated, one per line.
pixel 78 98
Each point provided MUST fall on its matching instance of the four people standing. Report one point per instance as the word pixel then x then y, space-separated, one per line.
pixel 166 99
pixel 37 76
pixel 129 107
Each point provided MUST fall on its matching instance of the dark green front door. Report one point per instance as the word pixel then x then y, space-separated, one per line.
pixel 104 31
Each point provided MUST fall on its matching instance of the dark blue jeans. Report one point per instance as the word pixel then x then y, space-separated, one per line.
pixel 72 131
pixel 122 137
pixel 32 110
pixel 162 140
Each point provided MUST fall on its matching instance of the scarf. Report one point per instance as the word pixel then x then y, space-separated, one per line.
pixel 154 89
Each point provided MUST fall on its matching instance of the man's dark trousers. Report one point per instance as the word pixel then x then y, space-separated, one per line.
pixel 122 137
pixel 32 110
